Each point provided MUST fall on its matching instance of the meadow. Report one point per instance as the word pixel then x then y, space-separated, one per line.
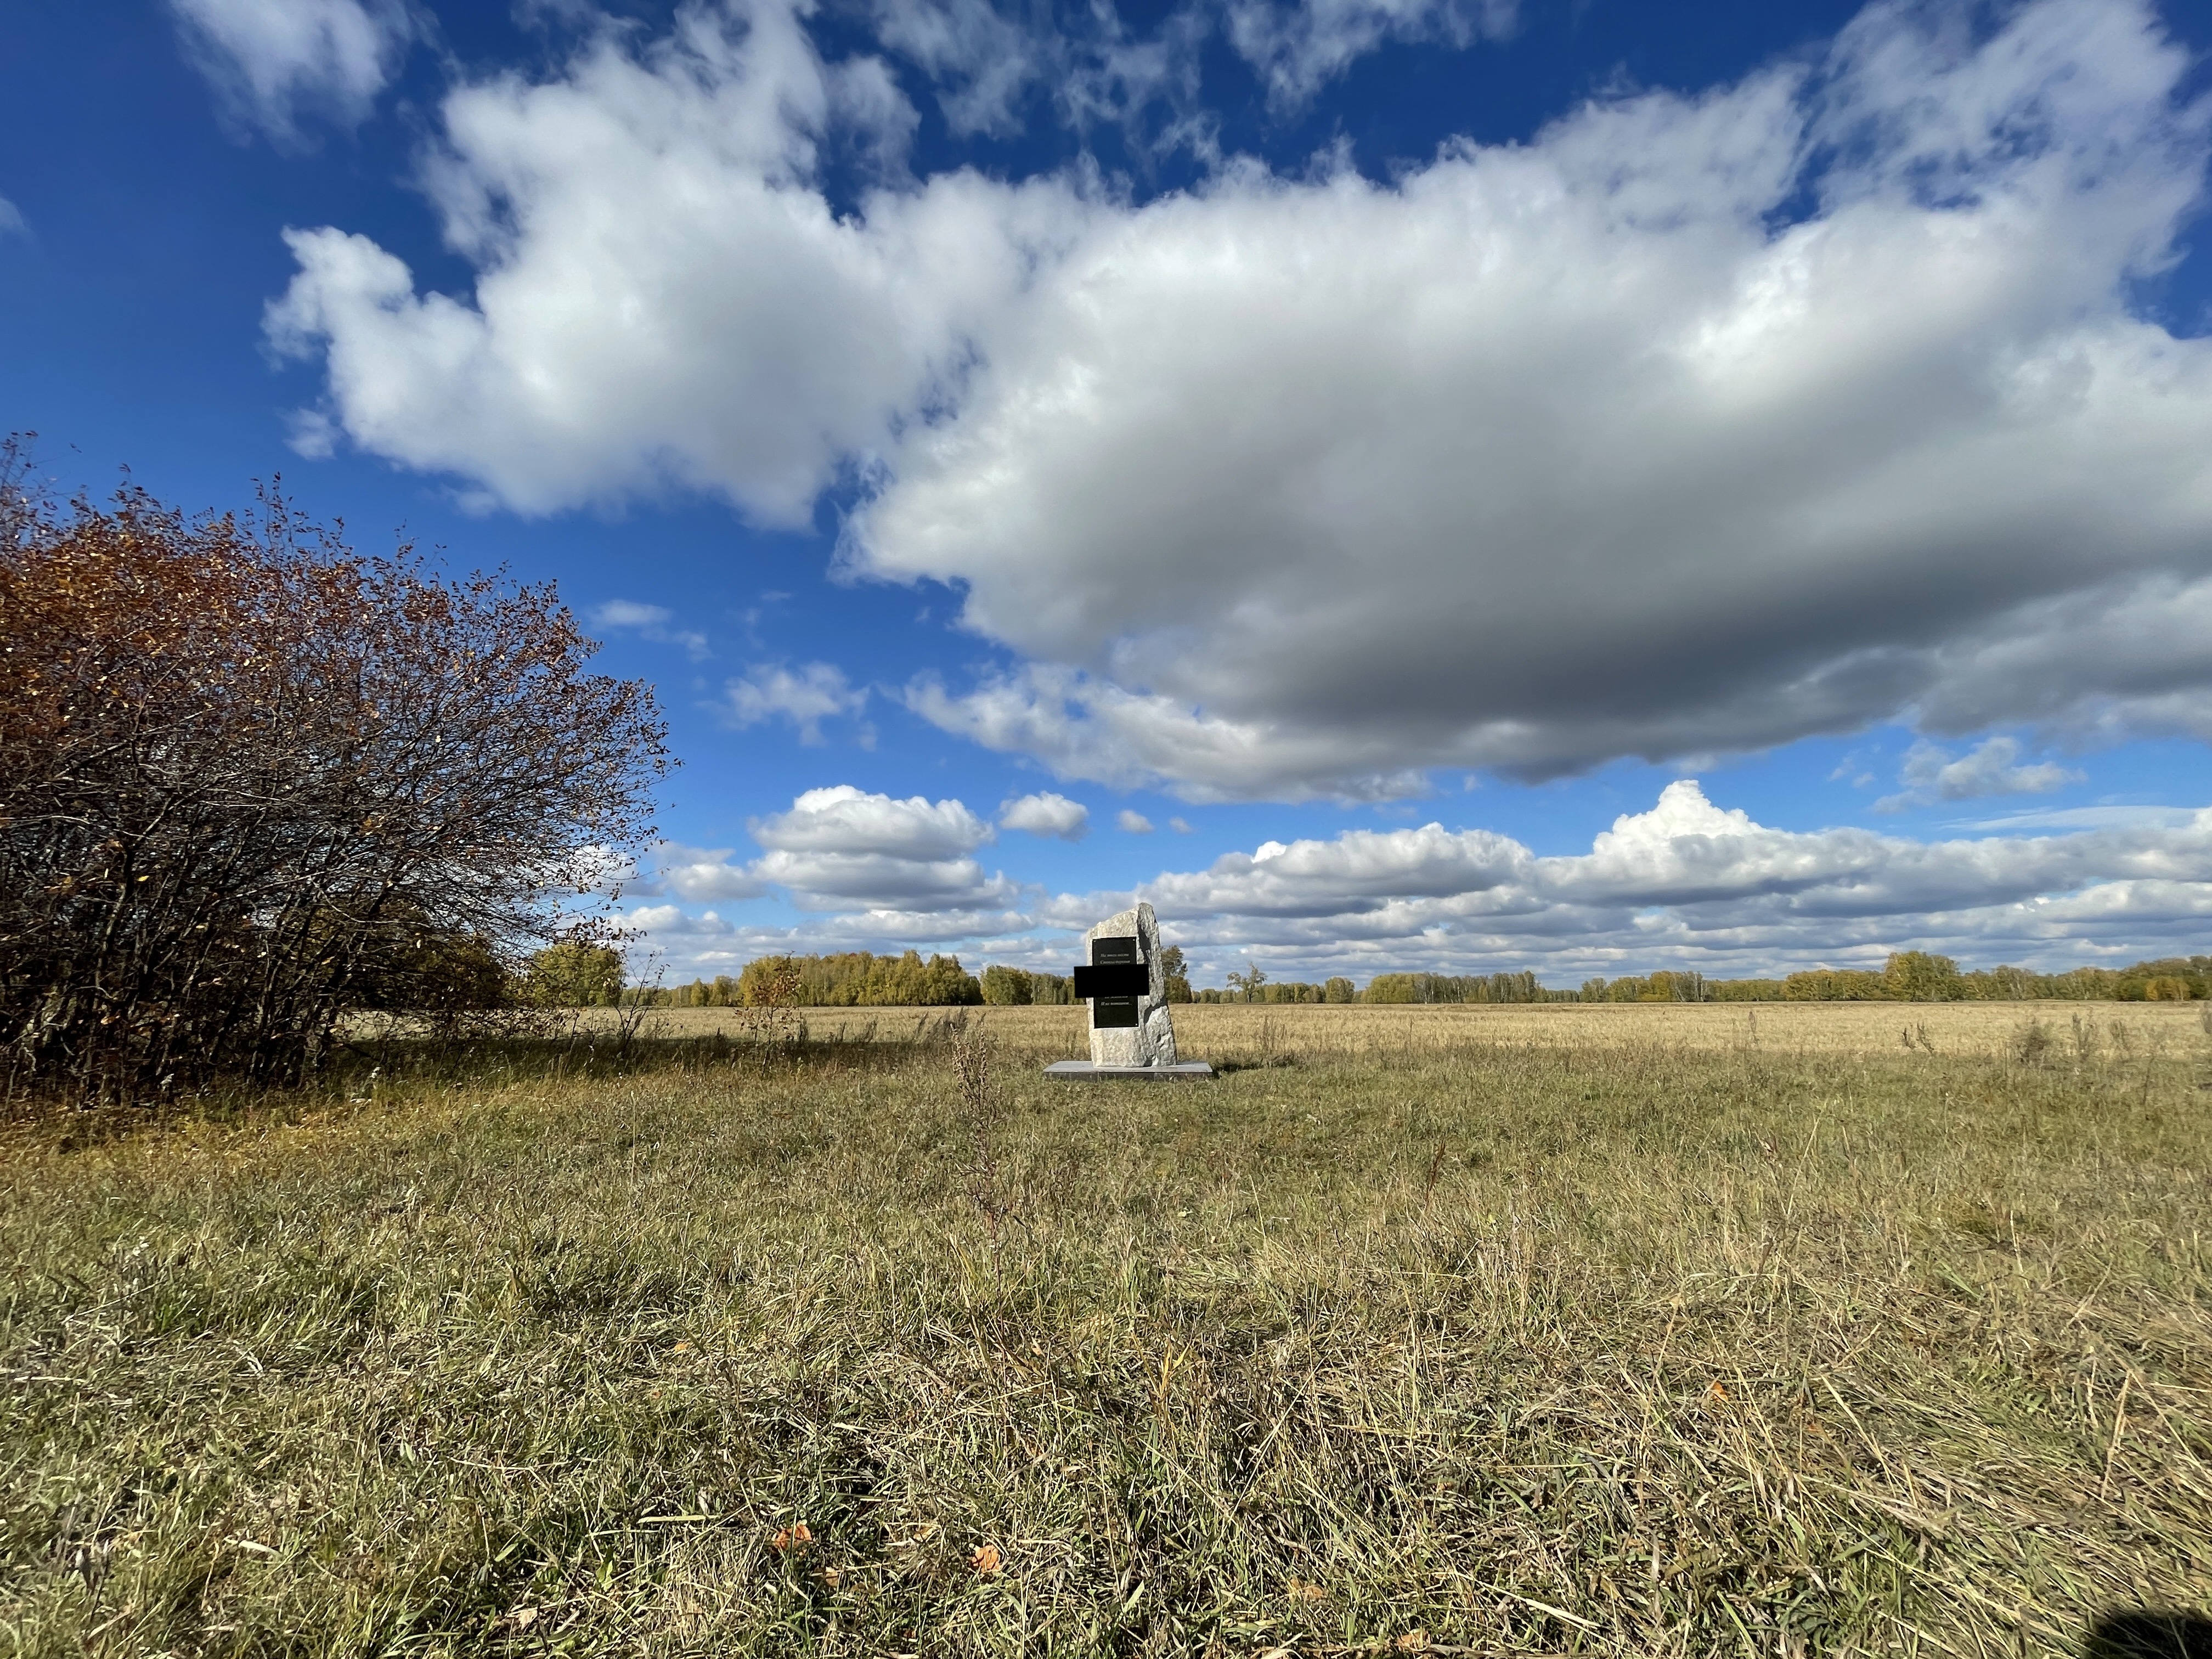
pixel 1620 1329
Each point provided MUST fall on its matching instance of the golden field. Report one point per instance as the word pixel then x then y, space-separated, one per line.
pixel 1356 1029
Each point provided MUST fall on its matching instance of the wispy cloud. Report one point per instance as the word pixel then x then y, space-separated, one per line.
pixel 650 621
pixel 271 61
pixel 1992 767
pixel 817 692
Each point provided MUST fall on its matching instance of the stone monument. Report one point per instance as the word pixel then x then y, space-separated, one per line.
pixel 1132 1033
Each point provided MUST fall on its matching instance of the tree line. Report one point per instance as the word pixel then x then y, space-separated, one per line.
pixel 858 979
pixel 850 979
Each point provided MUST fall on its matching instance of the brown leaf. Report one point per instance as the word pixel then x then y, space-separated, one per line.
pixel 985 1560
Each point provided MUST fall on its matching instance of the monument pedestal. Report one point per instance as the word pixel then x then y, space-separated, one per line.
pixel 1089 1071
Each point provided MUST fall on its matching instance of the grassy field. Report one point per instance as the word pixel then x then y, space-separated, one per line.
pixel 1605 1330
pixel 1356 1031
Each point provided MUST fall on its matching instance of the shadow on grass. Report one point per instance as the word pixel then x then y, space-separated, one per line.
pixel 359 1069
pixel 2150 1633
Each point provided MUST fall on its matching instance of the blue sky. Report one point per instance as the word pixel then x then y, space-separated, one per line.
pixel 1399 483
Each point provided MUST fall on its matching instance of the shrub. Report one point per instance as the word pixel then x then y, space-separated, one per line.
pixel 250 779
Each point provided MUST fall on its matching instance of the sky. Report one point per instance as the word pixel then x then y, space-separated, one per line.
pixel 1462 485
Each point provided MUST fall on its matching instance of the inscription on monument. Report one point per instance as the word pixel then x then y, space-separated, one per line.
pixel 1115 1003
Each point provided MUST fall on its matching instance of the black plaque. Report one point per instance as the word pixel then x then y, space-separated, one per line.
pixel 1117 951
pixel 1120 979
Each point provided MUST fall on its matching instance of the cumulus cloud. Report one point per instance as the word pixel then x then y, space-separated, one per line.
pixel 1047 814
pixel 1688 884
pixel 698 873
pixel 806 698
pixel 841 847
pixel 1616 441
pixel 658 922
pixel 271 60
pixel 1992 767
pixel 649 621
pixel 1132 823
pixel 664 293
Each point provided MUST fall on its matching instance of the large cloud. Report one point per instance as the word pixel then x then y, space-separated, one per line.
pixel 841 848
pixel 1696 423
pixel 665 293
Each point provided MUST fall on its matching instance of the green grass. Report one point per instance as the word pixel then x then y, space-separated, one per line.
pixel 1607 1348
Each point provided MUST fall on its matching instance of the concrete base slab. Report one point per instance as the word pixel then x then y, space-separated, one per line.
pixel 1086 1071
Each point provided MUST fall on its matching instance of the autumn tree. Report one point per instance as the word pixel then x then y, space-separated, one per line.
pixel 1175 973
pixel 251 778
pixel 575 973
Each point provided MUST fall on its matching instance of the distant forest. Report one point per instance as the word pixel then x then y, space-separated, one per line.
pixel 857 979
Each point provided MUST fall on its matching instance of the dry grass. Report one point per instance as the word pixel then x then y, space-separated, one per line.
pixel 1420 1329
pixel 1388 1032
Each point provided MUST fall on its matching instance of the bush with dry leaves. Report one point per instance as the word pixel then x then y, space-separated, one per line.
pixel 251 778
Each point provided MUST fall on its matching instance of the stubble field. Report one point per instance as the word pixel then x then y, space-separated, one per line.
pixel 1615 1330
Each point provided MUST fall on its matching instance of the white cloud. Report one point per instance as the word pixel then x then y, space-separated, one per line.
pixel 11 219
pixel 665 296
pixel 1992 767
pixel 669 920
pixel 1086 727
pixel 989 59
pixel 650 621
pixel 1047 814
pixel 841 848
pixel 814 694
pixel 2089 817
pixel 1691 425
pixel 1690 885
pixel 1295 48
pixel 698 874
pixel 1182 827
pixel 1687 884
pixel 846 819
pixel 271 60
pixel 1132 822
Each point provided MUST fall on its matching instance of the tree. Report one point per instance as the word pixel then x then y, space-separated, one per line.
pixel 1250 981
pixel 1919 976
pixel 245 772
pixel 1176 975
pixel 1005 987
pixel 576 974
pixel 857 979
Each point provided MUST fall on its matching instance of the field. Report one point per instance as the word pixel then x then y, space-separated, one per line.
pixel 1356 1031
pixel 1607 1330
